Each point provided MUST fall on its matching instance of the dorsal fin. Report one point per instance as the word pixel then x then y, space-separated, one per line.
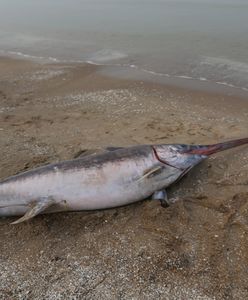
pixel 88 152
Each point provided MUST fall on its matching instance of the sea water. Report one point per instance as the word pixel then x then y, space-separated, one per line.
pixel 205 40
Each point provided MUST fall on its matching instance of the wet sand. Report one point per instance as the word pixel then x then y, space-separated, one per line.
pixel 195 249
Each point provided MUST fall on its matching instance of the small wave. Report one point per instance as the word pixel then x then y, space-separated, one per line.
pixel 106 55
pixel 225 83
pixel 90 62
pixel 112 55
pixel 229 64
pixel 184 76
pixel 28 56
pixel 231 85
pixel 154 73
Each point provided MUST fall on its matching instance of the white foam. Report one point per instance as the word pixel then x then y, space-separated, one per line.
pixel 154 73
pixel 102 57
pixel 90 62
pixel 28 56
pixel 106 55
pixel 231 85
pixel 225 83
pixel 184 77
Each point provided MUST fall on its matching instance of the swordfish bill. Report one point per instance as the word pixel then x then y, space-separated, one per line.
pixel 116 177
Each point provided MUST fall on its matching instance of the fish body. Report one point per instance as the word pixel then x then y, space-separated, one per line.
pixel 109 179
pixel 95 182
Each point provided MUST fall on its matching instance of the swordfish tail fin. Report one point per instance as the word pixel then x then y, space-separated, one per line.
pixel 211 149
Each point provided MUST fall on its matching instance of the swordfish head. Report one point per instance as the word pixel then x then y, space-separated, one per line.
pixel 185 157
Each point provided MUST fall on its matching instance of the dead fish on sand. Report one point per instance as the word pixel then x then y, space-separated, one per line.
pixel 116 177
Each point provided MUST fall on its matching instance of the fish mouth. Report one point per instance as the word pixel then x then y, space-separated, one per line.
pixel 211 149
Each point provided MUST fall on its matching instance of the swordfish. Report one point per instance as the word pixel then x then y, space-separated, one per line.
pixel 116 177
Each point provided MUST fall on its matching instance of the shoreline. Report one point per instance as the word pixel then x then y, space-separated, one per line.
pixel 51 112
pixel 134 72
pixel 176 81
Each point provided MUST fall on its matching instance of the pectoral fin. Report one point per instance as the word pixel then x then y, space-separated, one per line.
pixel 151 172
pixel 36 208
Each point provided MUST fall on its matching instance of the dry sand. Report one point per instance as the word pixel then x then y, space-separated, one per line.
pixel 195 249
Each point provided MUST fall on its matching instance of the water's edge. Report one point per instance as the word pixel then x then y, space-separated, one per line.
pixel 132 71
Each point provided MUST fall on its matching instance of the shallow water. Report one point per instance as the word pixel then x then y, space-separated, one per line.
pixel 202 39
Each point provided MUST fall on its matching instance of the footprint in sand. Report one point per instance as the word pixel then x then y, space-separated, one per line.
pixel 3 95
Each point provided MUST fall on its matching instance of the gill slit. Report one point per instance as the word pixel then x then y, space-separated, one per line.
pixel 163 161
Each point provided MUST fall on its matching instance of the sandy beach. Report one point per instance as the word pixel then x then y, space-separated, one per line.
pixel 195 249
